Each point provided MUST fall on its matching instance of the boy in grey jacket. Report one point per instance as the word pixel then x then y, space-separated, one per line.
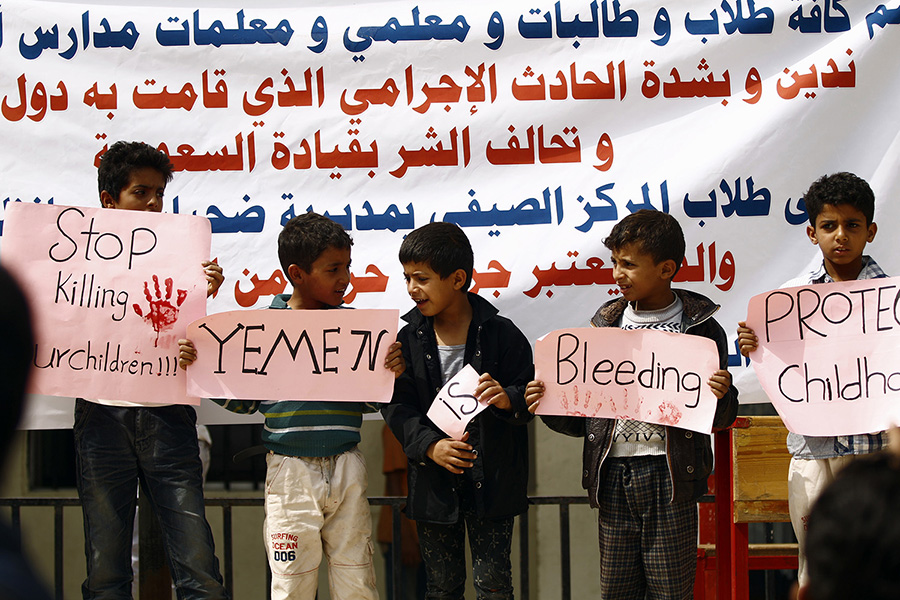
pixel 646 478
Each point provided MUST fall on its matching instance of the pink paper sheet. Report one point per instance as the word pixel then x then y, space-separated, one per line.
pixel 293 355
pixel 640 374
pixel 828 355
pixel 111 292
pixel 456 405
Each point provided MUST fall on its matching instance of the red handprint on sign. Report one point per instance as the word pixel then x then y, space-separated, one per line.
pixel 669 414
pixel 585 405
pixel 161 314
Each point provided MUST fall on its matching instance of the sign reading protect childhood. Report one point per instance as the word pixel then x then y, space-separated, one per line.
pixel 828 355
pixel 293 355
pixel 640 374
pixel 111 292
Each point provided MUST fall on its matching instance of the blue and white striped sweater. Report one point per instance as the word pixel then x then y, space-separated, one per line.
pixel 304 428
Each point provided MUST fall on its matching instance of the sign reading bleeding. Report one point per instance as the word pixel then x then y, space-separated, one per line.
pixel 639 374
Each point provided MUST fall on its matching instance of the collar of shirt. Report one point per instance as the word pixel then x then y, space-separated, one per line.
pixel 870 270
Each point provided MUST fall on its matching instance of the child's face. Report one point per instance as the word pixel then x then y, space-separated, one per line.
pixel 144 191
pixel 327 280
pixel 432 294
pixel 640 279
pixel 842 234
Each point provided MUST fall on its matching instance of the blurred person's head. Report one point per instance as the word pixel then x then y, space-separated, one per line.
pixel 853 537
pixel 16 350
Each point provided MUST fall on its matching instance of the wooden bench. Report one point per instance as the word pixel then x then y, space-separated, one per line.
pixel 751 487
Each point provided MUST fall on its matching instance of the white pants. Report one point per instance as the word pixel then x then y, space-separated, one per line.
pixel 314 504
pixel 806 480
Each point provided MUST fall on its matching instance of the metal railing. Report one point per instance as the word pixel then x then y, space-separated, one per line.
pixel 227 554
pixel 58 504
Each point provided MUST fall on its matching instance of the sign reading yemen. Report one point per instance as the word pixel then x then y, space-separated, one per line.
pixel 640 374
pixel 828 355
pixel 111 292
pixel 294 355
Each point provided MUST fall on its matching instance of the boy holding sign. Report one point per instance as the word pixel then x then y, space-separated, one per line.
pixel 841 209
pixel 646 478
pixel 118 443
pixel 315 474
pixel 477 482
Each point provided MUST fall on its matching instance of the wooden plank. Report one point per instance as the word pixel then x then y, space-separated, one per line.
pixel 761 511
pixel 773 549
pixel 706 551
pixel 760 460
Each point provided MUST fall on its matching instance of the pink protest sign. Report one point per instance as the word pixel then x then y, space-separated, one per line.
pixel 294 355
pixel 456 405
pixel 111 292
pixel 827 355
pixel 641 374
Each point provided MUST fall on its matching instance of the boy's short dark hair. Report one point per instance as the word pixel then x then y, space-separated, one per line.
pixel 657 233
pixel 442 246
pixel 304 239
pixel 837 189
pixel 853 539
pixel 122 159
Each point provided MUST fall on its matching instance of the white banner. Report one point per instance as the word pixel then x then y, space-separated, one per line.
pixel 535 128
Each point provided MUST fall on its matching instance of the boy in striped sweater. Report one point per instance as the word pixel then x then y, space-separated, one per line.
pixel 316 476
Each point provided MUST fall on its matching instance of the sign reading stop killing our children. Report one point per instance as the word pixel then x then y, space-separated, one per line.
pixel 641 374
pixel 294 355
pixel 828 355
pixel 111 292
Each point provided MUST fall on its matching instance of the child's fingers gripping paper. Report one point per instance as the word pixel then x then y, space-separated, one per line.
pixel 456 404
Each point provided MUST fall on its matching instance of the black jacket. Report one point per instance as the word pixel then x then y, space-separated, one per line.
pixel 499 476
pixel 688 453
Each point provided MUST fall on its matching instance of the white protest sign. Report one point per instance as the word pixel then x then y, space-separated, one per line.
pixel 828 355
pixel 642 374
pixel 111 292
pixel 456 405
pixel 517 122
pixel 293 355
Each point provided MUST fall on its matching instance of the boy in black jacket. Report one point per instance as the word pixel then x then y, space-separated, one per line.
pixel 477 483
pixel 646 478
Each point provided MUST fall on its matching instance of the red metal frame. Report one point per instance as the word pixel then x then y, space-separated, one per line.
pixel 727 573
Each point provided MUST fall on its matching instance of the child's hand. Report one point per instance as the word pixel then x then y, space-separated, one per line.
pixel 720 382
pixel 491 392
pixel 214 277
pixel 453 455
pixel 747 340
pixel 187 354
pixel 534 391
pixel 394 361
